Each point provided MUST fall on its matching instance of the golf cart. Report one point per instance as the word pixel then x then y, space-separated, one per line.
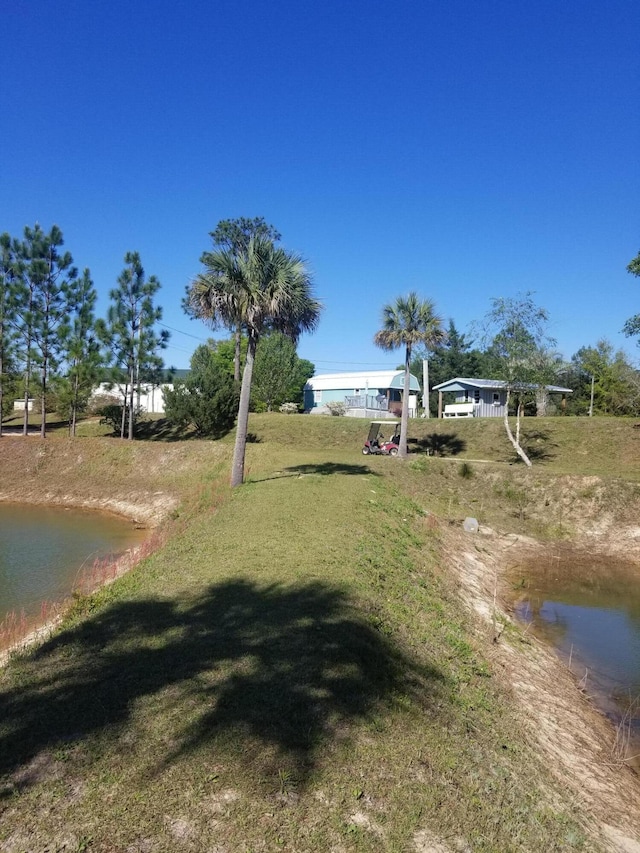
pixel 376 442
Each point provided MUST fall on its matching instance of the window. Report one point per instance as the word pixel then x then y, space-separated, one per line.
pixel 476 396
pixel 317 396
pixel 466 395
pixel 496 398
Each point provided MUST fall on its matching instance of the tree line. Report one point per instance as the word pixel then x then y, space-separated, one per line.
pixel 263 295
pixel 603 379
pixel 517 351
pixel 52 343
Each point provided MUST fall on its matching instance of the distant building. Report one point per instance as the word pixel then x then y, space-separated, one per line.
pixel 482 398
pixel 375 393
pixel 148 396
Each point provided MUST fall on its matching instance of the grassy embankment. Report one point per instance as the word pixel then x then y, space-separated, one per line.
pixel 292 669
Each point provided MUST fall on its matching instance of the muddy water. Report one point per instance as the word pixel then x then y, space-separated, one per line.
pixel 44 550
pixel 589 609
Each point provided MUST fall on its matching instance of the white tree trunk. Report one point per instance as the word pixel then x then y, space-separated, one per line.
pixel 515 440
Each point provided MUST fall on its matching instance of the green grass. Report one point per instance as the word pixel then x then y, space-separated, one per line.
pixel 292 670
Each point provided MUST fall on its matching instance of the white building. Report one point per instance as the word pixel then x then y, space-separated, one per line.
pixel 373 393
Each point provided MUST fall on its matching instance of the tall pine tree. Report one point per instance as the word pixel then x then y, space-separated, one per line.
pixel 130 334
pixel 39 300
pixel 81 350
pixel 7 334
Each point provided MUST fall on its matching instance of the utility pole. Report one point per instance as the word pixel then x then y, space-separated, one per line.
pixel 593 382
pixel 425 387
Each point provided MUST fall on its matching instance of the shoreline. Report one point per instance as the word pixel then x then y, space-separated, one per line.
pixel 577 738
pixel 86 583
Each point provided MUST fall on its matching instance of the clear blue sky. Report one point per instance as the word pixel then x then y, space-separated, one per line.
pixel 466 149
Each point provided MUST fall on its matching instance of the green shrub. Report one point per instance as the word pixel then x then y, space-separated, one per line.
pixel 207 399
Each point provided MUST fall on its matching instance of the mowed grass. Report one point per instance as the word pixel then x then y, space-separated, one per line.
pixel 292 670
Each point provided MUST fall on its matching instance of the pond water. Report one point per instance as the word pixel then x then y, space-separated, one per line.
pixel 589 609
pixel 44 551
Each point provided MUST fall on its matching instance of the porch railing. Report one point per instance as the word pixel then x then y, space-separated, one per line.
pixel 366 401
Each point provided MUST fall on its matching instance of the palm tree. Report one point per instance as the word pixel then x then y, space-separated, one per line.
pixel 257 287
pixel 406 322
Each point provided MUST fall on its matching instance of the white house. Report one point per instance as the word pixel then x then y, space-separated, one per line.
pixel 148 397
pixel 373 393
pixel 482 398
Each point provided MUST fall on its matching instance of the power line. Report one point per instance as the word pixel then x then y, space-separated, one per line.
pixel 180 332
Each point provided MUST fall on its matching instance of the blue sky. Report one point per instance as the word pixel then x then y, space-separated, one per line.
pixel 466 150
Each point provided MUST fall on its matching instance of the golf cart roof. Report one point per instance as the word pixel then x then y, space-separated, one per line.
pixel 386 423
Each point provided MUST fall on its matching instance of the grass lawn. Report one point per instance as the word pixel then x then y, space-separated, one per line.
pixel 293 670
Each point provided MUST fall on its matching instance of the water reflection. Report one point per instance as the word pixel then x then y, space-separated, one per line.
pixel 44 549
pixel 589 610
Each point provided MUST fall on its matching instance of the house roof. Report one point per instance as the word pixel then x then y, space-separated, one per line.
pixel 361 379
pixel 462 383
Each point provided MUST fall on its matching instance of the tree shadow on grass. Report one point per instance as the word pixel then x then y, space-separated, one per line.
pixel 263 674
pixel 325 469
pixel 162 429
pixel 537 445
pixel 328 468
pixel 441 444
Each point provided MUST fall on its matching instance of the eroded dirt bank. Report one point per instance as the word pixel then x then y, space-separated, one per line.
pixel 560 721
pixel 143 481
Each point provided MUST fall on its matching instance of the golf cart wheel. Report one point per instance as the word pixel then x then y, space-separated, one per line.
pixel 393 451
pixel 365 451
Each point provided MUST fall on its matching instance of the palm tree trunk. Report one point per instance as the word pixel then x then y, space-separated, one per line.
pixel 237 467
pixel 404 421
pixel 236 354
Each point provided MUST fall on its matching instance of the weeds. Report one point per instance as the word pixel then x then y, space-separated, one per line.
pixel 465 471
pixel 626 738
pixel 519 498
pixel 13 628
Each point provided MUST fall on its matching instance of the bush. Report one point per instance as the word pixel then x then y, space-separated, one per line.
pixel 466 471
pixel 207 399
pixel 289 408
pixel 50 402
pixel 112 416
pixel 336 408
pixel 98 402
